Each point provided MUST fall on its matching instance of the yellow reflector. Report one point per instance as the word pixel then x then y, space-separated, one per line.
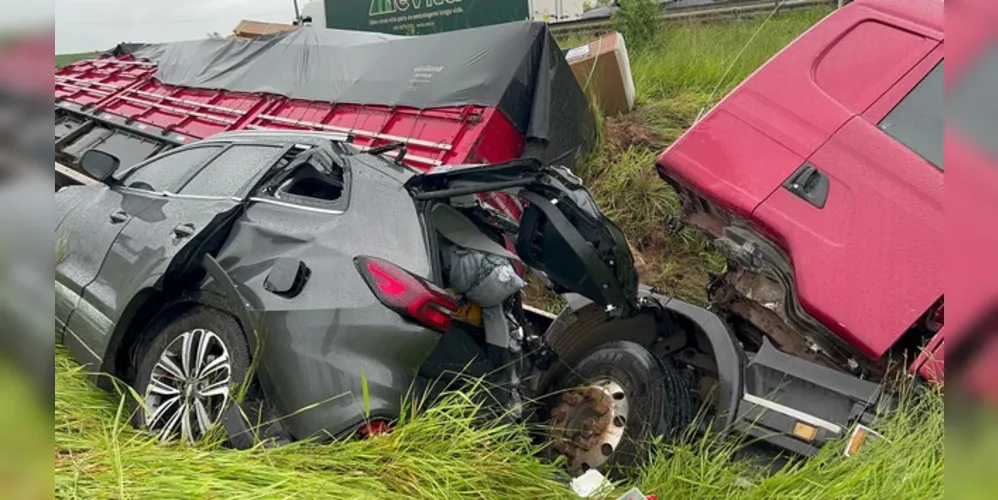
pixel 805 432
pixel 858 438
pixel 860 435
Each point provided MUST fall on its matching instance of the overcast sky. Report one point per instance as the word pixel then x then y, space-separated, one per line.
pixel 86 25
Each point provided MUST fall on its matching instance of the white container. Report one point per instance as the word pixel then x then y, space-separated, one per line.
pixel 556 11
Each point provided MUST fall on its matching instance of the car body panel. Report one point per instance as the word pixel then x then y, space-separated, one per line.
pixel 321 344
pixel 85 235
pixel 91 296
pixel 930 364
pixel 869 260
pixel 139 257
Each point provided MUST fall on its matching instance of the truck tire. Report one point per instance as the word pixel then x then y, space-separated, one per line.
pixel 608 407
pixel 191 370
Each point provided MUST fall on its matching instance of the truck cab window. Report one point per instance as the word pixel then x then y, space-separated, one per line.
pixel 917 121
pixel 972 107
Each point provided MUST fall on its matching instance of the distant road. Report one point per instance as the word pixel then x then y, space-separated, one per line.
pixel 715 10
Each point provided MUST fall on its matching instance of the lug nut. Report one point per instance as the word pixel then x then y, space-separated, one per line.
pixel 583 443
pixel 602 408
pixel 560 447
pixel 559 414
pixel 601 425
pixel 593 394
pixel 572 398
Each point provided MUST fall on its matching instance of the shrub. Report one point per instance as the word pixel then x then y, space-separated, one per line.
pixel 639 21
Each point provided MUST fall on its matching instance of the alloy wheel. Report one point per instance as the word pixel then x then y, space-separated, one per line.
pixel 189 387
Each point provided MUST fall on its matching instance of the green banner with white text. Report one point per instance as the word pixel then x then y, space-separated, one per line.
pixel 421 17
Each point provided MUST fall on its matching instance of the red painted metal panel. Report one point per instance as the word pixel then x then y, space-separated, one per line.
pixel 860 262
pixel 127 88
pixel 124 87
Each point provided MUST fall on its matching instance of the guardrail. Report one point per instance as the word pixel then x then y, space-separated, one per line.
pixel 726 10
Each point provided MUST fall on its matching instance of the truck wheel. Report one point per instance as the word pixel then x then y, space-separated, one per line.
pixel 189 374
pixel 610 405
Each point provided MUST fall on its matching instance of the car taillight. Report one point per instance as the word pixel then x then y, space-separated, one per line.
pixel 407 294
pixel 374 428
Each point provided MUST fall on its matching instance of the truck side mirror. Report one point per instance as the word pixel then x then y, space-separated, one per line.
pixel 99 164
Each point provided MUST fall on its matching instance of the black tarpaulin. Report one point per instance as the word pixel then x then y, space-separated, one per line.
pixel 517 68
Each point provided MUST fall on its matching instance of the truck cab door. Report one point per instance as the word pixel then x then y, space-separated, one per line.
pixel 561 232
pixel 863 216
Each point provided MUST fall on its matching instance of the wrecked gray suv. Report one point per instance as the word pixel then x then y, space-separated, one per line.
pixel 315 272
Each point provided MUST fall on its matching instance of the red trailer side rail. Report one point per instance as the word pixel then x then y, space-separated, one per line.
pixel 117 104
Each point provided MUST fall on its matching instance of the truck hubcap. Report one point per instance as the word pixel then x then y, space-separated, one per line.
pixel 188 387
pixel 588 424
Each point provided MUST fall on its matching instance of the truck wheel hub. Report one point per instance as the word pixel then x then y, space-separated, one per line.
pixel 588 423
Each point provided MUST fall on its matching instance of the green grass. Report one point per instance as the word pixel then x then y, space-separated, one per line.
pixel 908 465
pixel 439 454
pixel 64 59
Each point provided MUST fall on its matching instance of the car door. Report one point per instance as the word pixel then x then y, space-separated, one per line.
pixel 91 219
pixel 561 233
pixel 183 219
pixel 863 217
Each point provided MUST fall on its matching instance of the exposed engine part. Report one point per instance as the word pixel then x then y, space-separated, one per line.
pixel 762 303
pixel 934 319
pixel 757 295
pixel 588 424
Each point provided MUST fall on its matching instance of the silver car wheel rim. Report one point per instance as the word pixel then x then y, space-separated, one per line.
pixel 189 387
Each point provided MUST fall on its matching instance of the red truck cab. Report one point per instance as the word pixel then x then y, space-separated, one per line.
pixel 821 178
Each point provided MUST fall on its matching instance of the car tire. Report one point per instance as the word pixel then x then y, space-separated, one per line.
pixel 644 398
pixel 191 370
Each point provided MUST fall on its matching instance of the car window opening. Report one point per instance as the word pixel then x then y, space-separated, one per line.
pixel 308 182
pixel 309 176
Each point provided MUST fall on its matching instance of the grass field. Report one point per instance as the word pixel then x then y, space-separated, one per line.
pixel 64 59
pixel 439 454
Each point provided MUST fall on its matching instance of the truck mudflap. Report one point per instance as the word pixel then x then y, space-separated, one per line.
pixel 800 406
